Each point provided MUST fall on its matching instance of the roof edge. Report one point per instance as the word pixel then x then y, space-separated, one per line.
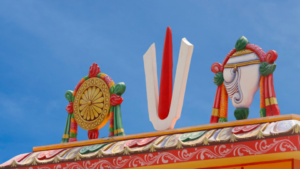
pixel 167 132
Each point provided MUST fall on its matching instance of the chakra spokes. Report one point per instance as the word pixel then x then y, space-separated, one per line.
pixel 91 103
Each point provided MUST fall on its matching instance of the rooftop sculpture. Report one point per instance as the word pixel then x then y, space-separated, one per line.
pixel 245 69
pixel 271 141
pixel 165 110
pixel 95 101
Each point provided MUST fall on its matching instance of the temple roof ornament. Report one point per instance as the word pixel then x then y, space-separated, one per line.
pixel 165 109
pixel 271 141
pixel 95 101
pixel 245 69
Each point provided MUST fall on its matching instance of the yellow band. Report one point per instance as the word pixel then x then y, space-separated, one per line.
pixel 273 100
pixel 112 83
pixel 267 102
pixel 235 65
pixel 66 136
pixel 118 131
pixel 241 52
pixel 215 112
pixel 102 75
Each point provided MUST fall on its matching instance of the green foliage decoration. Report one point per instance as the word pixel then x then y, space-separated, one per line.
pixel 223 119
pixel 241 43
pixel 241 113
pixel 69 95
pixel 266 68
pixel 120 88
pixel 191 136
pixel 91 149
pixel 218 78
pixel 263 112
pixel 112 89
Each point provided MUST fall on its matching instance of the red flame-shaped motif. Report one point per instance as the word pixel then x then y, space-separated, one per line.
pixel 166 81
pixel 94 70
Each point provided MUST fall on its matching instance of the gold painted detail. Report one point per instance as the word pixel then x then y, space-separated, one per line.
pixel 92 104
pixel 126 151
pixel 296 129
pixel 267 102
pixel 273 100
pixel 34 161
pixel 66 136
pixel 215 112
pixel 78 157
pixel 179 144
pixel 235 65
pixel 56 159
pixel 206 141
pixel 118 131
pixel 13 164
pixel 232 138
pixel 152 148
pixel 241 52
pixel 260 135
pixel 100 154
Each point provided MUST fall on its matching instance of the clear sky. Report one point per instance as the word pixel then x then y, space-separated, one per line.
pixel 46 47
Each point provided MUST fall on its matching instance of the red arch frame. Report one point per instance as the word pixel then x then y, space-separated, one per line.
pixel 256 49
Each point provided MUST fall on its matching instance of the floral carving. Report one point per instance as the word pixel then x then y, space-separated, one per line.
pixel 115 99
pixel 183 155
pixel 69 108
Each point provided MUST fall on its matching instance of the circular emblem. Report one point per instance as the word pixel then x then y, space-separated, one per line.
pixel 92 104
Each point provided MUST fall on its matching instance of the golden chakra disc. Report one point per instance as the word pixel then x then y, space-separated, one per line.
pixel 92 104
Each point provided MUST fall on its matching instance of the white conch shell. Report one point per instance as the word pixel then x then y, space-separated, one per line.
pixel 243 82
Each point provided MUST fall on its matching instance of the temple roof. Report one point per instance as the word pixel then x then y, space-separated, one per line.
pixel 191 139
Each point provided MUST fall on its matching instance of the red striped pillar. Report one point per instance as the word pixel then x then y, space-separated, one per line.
pixel 216 108
pixel 272 107
pixel 215 115
pixel 273 100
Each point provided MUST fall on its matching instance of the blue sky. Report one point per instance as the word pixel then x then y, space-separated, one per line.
pixel 46 47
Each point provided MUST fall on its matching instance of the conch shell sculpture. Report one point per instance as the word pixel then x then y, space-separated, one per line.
pixel 244 70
